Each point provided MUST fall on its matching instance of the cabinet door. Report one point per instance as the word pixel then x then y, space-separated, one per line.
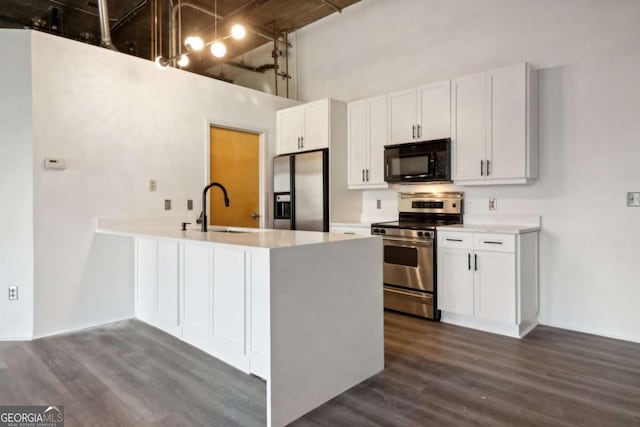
pixel 455 281
pixel 378 138
pixel 316 125
pixel 357 142
pixel 167 314
pixel 290 123
pixel 402 116
pixel 469 100
pixel 146 279
pixel 495 282
pixel 507 144
pixel 434 111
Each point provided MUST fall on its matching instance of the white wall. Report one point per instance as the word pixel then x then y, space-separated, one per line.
pixel 118 122
pixel 16 185
pixel 264 82
pixel 589 60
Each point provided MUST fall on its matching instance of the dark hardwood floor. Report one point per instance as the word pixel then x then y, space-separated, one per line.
pixel 436 374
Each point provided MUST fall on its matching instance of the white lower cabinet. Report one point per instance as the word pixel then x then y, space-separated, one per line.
pixel 489 281
pixel 214 298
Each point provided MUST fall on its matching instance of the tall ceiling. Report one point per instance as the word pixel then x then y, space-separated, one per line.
pixel 134 32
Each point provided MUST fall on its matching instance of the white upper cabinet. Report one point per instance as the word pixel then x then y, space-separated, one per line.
pixel 434 111
pixel 303 128
pixel 495 127
pixel 420 114
pixel 367 136
pixel 469 100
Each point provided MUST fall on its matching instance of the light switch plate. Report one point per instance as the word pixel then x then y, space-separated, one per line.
pixel 153 185
pixel 167 205
pixel 633 199
pixel 378 204
pixel 189 205
pixel 58 164
pixel 13 292
pixel 493 204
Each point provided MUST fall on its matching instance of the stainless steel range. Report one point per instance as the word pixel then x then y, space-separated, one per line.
pixel 410 250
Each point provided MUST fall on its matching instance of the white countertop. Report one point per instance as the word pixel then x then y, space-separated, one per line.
pixel 490 228
pixel 256 238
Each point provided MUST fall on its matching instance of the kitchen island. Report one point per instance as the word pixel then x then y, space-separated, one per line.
pixel 303 310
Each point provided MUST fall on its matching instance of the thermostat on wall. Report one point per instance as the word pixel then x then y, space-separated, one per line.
pixel 54 164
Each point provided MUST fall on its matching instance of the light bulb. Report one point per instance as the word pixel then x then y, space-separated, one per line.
pixel 161 63
pixel 183 61
pixel 218 49
pixel 194 43
pixel 238 32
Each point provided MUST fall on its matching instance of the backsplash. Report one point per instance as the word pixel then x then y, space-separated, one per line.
pixel 476 201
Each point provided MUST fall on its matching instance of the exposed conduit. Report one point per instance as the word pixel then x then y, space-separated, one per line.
pixel 105 31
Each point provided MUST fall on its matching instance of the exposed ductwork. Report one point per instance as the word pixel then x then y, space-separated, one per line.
pixel 105 31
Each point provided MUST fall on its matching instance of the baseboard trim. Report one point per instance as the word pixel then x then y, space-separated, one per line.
pixel 591 332
pixel 83 328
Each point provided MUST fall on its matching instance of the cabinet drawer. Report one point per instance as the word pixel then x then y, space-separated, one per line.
pixel 494 242
pixel 448 239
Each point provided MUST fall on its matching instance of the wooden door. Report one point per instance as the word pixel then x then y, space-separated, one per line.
pixel 235 163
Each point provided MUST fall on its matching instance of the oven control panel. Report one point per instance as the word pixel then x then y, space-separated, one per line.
pixel 403 232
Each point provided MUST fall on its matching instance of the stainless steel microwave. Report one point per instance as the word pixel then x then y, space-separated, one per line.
pixel 418 162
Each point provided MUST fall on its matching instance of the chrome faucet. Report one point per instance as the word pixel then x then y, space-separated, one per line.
pixel 203 215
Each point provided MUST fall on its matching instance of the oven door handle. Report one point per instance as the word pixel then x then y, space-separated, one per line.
pixel 407 243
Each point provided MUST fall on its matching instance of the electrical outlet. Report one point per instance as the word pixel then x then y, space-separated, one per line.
pixel 189 205
pixel 493 204
pixel 153 185
pixel 13 292
pixel 633 199
pixel 167 205
pixel 378 204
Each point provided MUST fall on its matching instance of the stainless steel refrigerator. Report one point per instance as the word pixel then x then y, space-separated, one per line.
pixel 301 191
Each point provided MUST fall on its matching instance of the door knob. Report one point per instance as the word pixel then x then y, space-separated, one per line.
pixel 254 216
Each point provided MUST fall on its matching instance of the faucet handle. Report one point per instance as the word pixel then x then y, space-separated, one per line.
pixel 184 226
pixel 199 220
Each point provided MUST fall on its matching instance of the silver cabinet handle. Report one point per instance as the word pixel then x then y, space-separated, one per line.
pixel 419 131
pixel 302 142
pixel 453 240
pixel 367 175
pixel 491 243
pixel 481 167
pixel 298 142
pixel 413 133
pixel 469 262
pixel 488 165
pixel 254 216
pixel 475 262
pixel 362 175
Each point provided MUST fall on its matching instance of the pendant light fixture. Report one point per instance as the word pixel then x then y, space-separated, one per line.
pixel 194 43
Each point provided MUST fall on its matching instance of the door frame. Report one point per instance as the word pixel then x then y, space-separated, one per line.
pixel 262 172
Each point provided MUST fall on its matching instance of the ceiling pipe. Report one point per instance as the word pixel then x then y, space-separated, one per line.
pixel 173 31
pixel 105 31
pixel 129 15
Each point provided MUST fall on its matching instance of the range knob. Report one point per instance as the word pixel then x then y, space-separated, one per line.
pixel 383 231
pixel 376 230
pixel 420 234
